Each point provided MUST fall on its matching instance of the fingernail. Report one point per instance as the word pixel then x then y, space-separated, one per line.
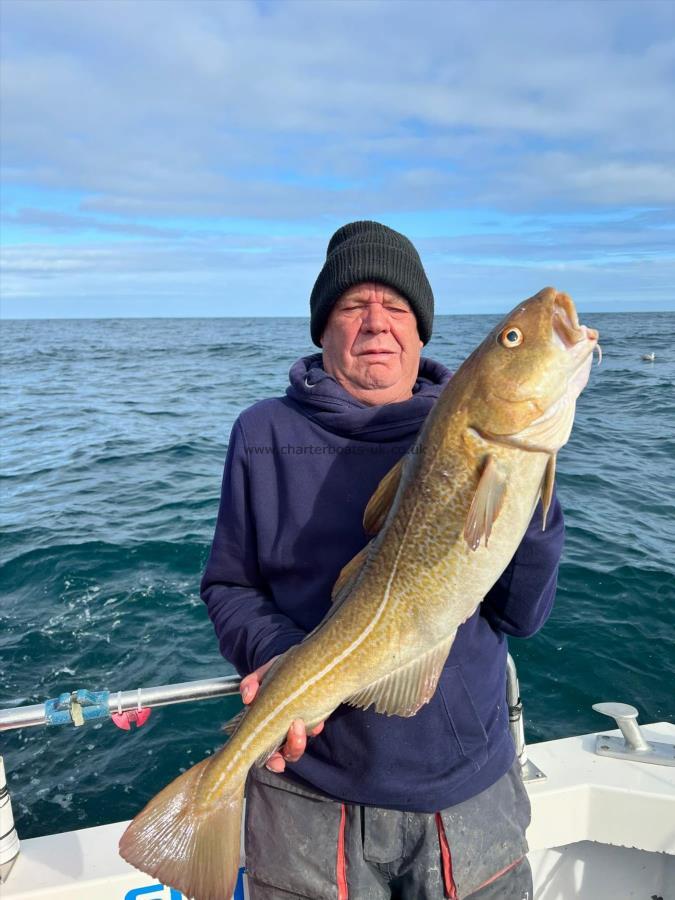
pixel 245 693
pixel 296 728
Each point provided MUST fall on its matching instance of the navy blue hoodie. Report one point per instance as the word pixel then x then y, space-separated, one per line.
pixel 299 472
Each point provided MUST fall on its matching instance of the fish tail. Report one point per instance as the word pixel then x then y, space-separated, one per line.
pixel 187 844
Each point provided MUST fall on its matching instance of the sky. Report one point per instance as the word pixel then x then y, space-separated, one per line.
pixel 165 158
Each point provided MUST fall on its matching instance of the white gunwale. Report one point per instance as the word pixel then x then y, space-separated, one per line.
pixel 602 829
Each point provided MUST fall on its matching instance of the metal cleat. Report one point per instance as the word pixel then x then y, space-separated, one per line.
pixel 632 746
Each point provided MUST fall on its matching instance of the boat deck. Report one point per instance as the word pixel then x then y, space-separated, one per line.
pixel 602 829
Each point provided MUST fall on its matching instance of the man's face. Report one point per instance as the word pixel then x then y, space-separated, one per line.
pixel 371 345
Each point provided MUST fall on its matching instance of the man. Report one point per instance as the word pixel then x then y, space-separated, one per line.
pixel 374 806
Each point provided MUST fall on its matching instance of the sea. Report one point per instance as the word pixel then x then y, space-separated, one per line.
pixel 113 441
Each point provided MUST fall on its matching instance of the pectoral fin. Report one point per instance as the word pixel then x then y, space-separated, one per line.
pixel 407 689
pixel 381 501
pixel 485 506
pixel 547 488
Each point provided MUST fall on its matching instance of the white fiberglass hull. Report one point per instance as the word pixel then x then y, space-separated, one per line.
pixel 602 829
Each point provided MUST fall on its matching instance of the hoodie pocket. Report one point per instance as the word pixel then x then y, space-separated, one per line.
pixel 461 712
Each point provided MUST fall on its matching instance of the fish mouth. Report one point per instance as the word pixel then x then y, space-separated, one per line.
pixel 577 340
pixel 552 428
pixel 567 333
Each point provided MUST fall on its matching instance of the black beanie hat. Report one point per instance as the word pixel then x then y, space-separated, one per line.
pixel 368 251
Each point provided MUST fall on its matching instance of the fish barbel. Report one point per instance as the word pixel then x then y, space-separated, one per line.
pixel 446 521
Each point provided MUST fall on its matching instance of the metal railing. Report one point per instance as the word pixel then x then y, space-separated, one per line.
pixel 528 770
pixel 78 707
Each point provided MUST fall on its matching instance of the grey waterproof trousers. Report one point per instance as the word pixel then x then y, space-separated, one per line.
pixel 302 844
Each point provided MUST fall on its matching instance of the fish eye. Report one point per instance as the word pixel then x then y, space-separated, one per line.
pixel 511 337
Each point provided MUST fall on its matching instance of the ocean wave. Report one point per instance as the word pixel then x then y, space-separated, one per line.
pixel 50 562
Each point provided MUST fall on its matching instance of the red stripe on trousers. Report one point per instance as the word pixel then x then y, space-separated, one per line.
pixel 343 890
pixel 448 880
pixel 500 873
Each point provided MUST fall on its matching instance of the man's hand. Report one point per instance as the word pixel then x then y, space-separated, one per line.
pixel 296 739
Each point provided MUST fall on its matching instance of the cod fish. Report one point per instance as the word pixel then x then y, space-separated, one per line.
pixel 446 521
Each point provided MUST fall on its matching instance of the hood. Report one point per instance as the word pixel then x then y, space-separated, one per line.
pixel 325 402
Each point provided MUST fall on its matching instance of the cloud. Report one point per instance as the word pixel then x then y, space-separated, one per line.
pixel 158 104
pixel 179 129
pixel 59 221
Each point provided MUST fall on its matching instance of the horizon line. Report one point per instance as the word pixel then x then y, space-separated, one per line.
pixel 619 312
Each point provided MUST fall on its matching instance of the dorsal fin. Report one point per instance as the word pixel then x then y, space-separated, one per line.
pixel 547 488
pixel 407 689
pixel 348 576
pixel 485 506
pixel 380 503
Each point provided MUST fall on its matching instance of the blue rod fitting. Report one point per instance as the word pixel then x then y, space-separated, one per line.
pixel 90 705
